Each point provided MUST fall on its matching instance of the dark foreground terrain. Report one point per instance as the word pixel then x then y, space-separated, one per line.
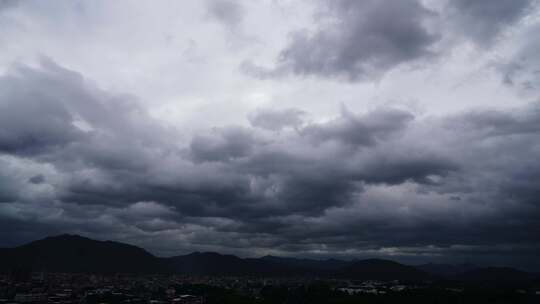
pixel 21 287
pixel 74 269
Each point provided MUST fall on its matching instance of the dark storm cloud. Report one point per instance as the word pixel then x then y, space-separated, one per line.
pixel 498 123
pixel 512 136
pixel 276 119
pixel 5 4
pixel 522 69
pixel 223 144
pixel 360 131
pixel 54 110
pixel 37 179
pixel 357 40
pixel 30 121
pixel 378 182
pixel 484 20
pixel 363 40
pixel 228 12
pixel 494 196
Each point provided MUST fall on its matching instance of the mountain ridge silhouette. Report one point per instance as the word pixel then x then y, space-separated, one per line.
pixel 74 253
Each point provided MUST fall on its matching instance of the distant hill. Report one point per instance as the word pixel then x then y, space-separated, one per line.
pixel 328 265
pixel 446 269
pixel 72 253
pixel 372 269
pixel 207 263
pixel 383 270
pixel 211 263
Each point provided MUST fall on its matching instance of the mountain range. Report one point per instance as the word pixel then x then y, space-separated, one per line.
pixel 73 253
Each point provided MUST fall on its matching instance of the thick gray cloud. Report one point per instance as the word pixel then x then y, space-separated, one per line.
pixel 521 69
pixel 276 119
pixel 359 131
pixel 5 4
pixel 37 179
pixel 31 121
pixel 382 182
pixel 483 20
pixel 357 40
pixel 228 12
pixel 224 144
pixel 363 40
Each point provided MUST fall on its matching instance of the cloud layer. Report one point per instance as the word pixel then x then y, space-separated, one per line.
pixel 87 160
pixel 363 40
pixel 400 129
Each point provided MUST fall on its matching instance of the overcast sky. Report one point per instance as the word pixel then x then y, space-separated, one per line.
pixel 407 129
